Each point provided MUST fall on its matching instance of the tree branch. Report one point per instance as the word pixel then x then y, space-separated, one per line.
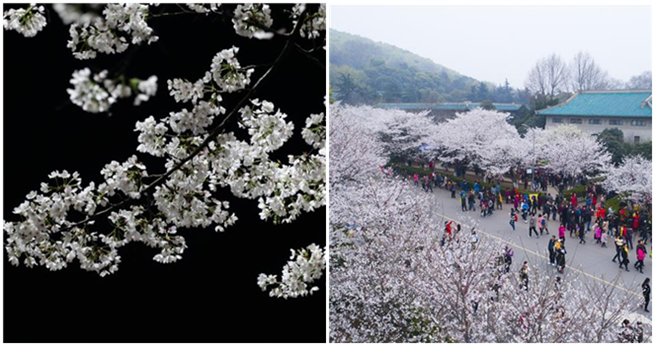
pixel 212 135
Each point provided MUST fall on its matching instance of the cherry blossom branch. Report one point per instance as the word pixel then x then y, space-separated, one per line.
pixel 217 130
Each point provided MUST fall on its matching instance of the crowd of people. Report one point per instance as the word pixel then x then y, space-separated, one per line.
pixel 631 334
pixel 576 216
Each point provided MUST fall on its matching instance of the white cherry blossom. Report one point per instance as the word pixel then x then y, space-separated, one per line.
pixel 56 224
pixel 249 19
pixel 26 21
pixel 303 268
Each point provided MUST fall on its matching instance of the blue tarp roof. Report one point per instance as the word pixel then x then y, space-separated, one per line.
pixel 606 103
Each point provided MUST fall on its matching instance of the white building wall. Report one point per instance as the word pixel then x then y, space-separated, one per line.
pixel 630 130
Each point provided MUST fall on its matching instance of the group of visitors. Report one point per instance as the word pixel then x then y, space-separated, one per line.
pixel 628 225
pixel 629 333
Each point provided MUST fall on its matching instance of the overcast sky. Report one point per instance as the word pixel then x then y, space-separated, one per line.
pixel 492 43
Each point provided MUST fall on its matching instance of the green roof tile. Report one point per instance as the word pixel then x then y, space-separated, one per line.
pixel 508 107
pixel 608 104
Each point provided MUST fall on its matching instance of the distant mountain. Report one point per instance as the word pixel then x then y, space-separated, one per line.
pixel 364 71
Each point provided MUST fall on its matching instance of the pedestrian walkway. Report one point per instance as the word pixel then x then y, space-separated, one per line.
pixel 588 259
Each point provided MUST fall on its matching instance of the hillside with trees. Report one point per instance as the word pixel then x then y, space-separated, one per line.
pixel 364 71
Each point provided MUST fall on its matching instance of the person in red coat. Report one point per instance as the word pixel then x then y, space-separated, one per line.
pixel 449 229
pixel 622 214
pixel 624 232
pixel 600 214
pixel 574 200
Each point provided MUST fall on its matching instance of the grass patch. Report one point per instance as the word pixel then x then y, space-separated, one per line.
pixel 581 190
pixel 614 203
pixel 578 190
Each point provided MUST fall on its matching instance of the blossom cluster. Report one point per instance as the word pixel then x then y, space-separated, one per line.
pixel 187 196
pixel 96 93
pixel 253 20
pixel 227 72
pixel 204 8
pixel 53 231
pixel 71 13
pixel 26 21
pixel 121 25
pixel 283 191
pixel 225 75
pixel 304 267
pixel 314 131
pixel 57 225
pixel 314 25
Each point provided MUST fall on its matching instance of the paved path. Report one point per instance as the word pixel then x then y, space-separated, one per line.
pixel 587 259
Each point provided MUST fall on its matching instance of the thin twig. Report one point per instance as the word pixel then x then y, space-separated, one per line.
pixel 167 14
pixel 309 56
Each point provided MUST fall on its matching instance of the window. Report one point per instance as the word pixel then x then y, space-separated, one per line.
pixel 616 122
pixel 595 121
pixel 637 139
pixel 557 120
pixel 638 123
pixel 575 121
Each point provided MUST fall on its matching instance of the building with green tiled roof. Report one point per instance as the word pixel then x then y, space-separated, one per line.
pixel 631 111
pixel 456 106
pixel 446 110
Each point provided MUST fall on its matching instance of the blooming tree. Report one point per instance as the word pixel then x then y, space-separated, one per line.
pixel 196 152
pixel 401 133
pixel 480 137
pixel 354 151
pixel 633 176
pixel 404 131
pixel 567 149
pixel 395 276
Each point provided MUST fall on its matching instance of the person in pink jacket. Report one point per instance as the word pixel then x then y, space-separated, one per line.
pixel 562 231
pixel 599 233
pixel 641 254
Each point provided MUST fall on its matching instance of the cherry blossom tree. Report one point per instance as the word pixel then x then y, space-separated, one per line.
pixel 405 131
pixel 482 138
pixel 57 224
pixel 396 276
pixel 354 152
pixel 567 149
pixel 634 176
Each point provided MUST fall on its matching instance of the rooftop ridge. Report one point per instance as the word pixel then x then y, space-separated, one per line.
pixel 562 104
pixel 628 91
pixel 617 103
pixel 446 103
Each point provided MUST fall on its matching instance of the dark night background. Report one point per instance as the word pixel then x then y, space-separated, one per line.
pixel 210 295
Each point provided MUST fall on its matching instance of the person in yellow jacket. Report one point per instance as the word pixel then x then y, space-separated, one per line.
pixel 624 257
